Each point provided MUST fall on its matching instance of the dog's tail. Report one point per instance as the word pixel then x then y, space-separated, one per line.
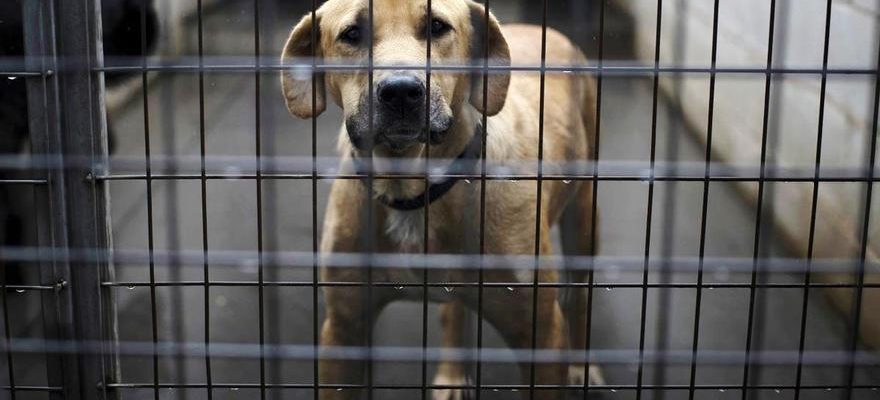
pixel 579 229
pixel 577 226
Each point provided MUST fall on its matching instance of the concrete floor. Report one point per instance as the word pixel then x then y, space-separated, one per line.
pixel 230 121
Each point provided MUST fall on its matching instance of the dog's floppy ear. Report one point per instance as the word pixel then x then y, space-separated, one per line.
pixel 498 56
pixel 297 82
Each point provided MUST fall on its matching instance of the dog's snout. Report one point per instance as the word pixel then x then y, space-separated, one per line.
pixel 401 93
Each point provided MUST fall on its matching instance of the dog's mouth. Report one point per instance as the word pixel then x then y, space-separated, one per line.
pixel 402 139
pixel 399 136
pixel 399 147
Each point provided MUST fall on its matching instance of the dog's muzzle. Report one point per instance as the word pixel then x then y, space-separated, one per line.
pixel 401 105
pixel 394 115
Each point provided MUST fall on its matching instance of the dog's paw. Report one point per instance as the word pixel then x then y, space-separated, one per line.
pixel 577 375
pixel 450 394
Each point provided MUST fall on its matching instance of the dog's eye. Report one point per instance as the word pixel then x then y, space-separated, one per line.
pixel 352 35
pixel 439 27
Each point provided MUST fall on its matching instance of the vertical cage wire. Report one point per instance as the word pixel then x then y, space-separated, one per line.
pixel 484 155
pixel 204 197
pixel 650 203
pixel 663 309
pixel 536 277
pixel 591 274
pixel 369 241
pixel 148 168
pixel 258 150
pixel 814 203
pixel 7 336
pixel 426 213
pixel 704 208
pixel 315 246
pixel 759 209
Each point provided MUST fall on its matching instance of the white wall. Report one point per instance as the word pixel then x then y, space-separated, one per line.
pixel 172 13
pixel 738 123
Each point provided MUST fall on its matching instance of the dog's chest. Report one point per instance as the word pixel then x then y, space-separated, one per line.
pixel 406 232
pixel 453 228
pixel 406 229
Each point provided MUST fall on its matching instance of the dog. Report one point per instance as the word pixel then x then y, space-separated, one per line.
pixel 393 119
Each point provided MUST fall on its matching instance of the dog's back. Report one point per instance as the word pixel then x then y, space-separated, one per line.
pixel 568 138
pixel 568 112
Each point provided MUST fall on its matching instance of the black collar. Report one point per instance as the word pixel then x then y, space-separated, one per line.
pixel 464 164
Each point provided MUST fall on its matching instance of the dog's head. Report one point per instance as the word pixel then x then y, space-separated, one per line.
pixel 397 112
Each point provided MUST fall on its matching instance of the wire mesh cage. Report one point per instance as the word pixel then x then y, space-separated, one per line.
pixel 163 214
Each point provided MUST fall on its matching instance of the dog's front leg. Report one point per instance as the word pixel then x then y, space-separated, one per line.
pixel 349 309
pixel 345 330
pixel 451 372
pixel 527 322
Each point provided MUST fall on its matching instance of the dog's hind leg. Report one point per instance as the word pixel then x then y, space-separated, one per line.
pixel 451 372
pixel 510 312
pixel 578 232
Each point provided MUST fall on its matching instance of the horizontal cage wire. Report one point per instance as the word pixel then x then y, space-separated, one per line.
pixel 168 230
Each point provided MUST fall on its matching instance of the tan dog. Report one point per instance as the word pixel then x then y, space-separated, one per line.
pixel 390 124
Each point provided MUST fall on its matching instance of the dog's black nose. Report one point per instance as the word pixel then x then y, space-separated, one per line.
pixel 401 93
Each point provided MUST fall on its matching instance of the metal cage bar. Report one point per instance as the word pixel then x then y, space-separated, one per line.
pixel 814 202
pixel 594 213
pixel 539 189
pixel 649 214
pixel 484 154
pixel 44 134
pixel 427 211
pixel 66 119
pixel 148 168
pixel 704 207
pixel 624 70
pixel 315 241
pixel 760 207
